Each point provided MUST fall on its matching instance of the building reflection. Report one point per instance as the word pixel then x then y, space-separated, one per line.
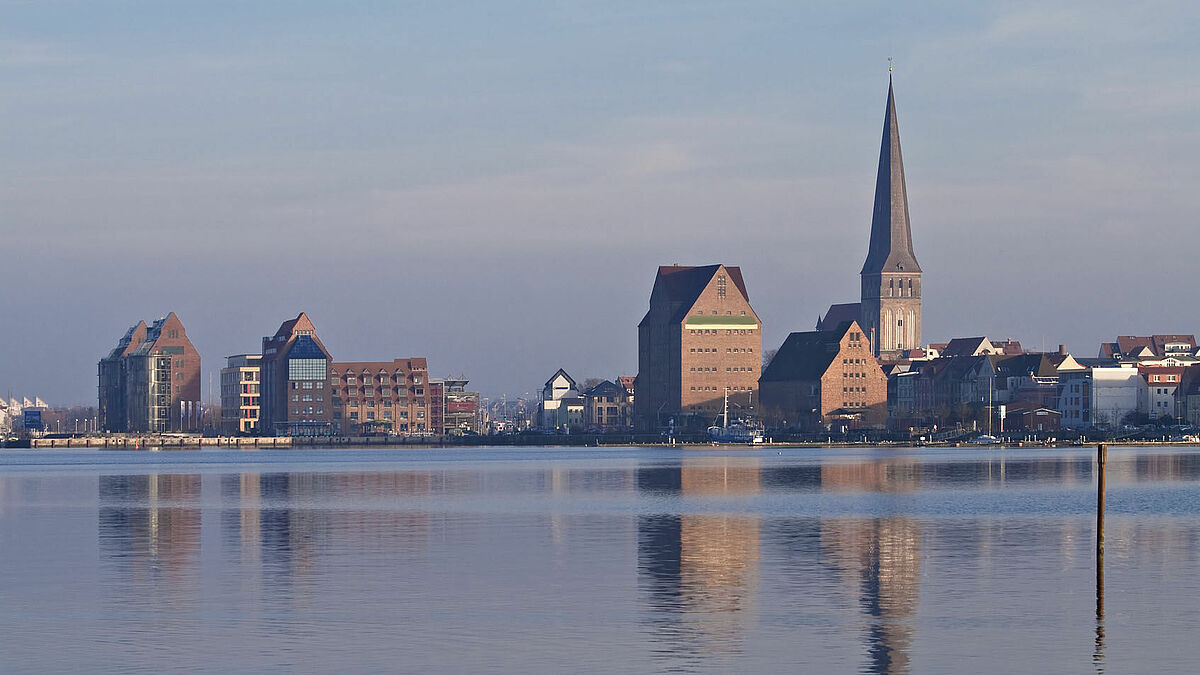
pixel 700 572
pixel 285 523
pixel 151 524
pixel 877 559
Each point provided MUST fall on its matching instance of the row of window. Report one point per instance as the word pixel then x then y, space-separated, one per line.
pixel 853 390
pixel 853 404
pixel 370 403
pixel 717 331
pixel 378 379
pixel 853 374
pixel 381 391
pixel 713 350
pixel 370 415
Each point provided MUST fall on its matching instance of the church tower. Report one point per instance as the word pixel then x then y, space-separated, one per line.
pixel 891 277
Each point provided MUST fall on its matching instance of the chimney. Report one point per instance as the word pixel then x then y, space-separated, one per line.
pixel 1062 350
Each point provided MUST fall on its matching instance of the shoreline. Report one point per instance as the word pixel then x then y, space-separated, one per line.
pixel 483 442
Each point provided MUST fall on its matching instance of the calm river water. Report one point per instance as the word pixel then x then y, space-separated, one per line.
pixel 596 560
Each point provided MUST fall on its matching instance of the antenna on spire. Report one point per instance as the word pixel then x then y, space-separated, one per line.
pixel 890 64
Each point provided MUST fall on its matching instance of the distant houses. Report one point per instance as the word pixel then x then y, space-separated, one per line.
pixel 605 406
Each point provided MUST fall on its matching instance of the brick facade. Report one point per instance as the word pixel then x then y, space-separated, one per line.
pixel 822 377
pixel 699 337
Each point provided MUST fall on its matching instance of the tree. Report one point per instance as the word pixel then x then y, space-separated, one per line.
pixel 768 357
pixel 590 382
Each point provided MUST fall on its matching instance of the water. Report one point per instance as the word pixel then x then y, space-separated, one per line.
pixel 586 560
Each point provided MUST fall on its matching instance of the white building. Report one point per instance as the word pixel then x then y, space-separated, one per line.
pixel 1099 396
pixel 562 404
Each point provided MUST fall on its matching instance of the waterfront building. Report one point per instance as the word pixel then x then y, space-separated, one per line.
pixel 1098 393
pixel 1159 397
pixel 383 397
pixel 1188 395
pixel 607 407
pixel 295 365
pixel 241 396
pixel 823 378
pixel 150 382
pixel 699 338
pixel 561 407
pixel 455 410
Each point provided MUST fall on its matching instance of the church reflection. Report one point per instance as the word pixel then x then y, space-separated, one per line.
pixel 877 559
pixel 700 572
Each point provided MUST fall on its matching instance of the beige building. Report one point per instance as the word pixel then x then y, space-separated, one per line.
pixel 241 379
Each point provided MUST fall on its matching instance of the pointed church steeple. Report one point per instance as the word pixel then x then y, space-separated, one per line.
pixel 891 239
pixel 891 277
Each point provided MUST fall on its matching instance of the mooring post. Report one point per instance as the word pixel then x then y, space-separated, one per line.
pixel 1101 466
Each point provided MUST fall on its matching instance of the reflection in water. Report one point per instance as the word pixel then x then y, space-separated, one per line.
pixel 881 559
pixel 151 523
pixel 700 572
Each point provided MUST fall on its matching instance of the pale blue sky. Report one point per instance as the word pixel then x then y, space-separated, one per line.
pixel 492 184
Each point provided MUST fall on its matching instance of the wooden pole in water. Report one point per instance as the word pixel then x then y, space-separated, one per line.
pixel 1101 463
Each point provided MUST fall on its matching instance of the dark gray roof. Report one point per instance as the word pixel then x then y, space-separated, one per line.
pixel 891 239
pixel 678 286
pixel 805 356
pixel 837 314
pixel 606 388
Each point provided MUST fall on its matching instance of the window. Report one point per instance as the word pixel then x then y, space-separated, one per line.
pixel 721 286
pixel 307 385
pixel 306 369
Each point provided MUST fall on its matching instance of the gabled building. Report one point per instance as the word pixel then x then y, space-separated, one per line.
pixel 562 405
pixel 699 338
pixel 1134 347
pixel 823 378
pixel 971 346
pixel 607 407
pixel 150 382
pixel 385 397
pixel 295 368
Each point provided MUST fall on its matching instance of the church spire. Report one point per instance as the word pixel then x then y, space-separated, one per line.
pixel 891 239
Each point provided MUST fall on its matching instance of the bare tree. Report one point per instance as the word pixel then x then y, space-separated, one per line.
pixel 768 357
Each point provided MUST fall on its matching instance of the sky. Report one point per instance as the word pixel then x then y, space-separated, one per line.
pixel 493 184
